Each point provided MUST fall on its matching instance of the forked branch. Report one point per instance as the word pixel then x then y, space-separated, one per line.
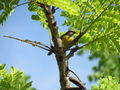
pixel 59 52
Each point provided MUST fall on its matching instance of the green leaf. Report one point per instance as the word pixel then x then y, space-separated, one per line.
pixel 86 38
pixel 14 80
pixel 40 16
pixel 108 83
pixel 1 6
pixel 27 85
pixel 95 87
pixel 35 17
pixel 107 65
pixel 2 66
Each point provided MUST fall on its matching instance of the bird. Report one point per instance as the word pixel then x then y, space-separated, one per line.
pixel 66 38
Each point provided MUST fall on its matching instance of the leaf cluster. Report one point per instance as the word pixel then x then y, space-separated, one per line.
pixel 6 7
pixel 40 15
pixel 108 83
pixel 89 10
pixel 67 5
pixel 107 66
pixel 14 80
pixel 100 21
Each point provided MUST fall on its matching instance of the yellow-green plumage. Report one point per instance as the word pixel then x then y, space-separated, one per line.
pixel 66 40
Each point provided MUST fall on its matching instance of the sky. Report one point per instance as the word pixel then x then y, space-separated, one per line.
pixel 33 60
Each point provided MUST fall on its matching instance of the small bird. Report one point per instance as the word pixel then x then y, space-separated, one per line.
pixel 66 38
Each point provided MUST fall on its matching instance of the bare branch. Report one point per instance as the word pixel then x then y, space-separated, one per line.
pixel 29 42
pixel 73 50
pixel 40 44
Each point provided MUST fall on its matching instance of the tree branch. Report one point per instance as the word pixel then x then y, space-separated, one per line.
pixel 51 23
pixel 54 9
pixel 40 44
pixel 53 28
pixel 88 28
pixel 59 52
pixel 73 50
pixel 33 43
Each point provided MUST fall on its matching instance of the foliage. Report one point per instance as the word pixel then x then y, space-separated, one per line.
pixel 67 5
pixel 100 20
pixel 39 16
pixel 107 66
pixel 6 7
pixel 14 80
pixel 96 20
pixel 103 32
pixel 108 83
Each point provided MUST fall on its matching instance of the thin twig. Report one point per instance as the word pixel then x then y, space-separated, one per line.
pixel 74 74
pixel 40 44
pixel 22 4
pixel 29 42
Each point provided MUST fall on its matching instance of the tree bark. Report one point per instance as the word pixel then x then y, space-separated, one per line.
pixel 59 51
pixel 63 73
